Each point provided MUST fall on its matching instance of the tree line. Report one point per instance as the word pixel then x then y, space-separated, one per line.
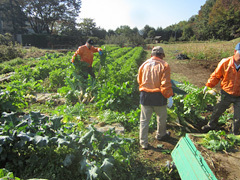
pixel 57 20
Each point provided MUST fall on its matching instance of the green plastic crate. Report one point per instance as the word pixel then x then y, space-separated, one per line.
pixel 189 161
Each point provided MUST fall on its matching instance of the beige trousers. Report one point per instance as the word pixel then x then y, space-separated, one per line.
pixel 145 116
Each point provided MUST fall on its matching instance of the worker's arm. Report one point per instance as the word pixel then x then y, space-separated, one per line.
pixel 78 52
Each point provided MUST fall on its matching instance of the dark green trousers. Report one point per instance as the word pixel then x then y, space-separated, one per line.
pixel 224 103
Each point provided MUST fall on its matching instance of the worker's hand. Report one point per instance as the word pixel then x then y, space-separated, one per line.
pixel 205 89
pixel 208 90
pixel 170 102
pixel 212 92
pixel 100 53
pixel 73 64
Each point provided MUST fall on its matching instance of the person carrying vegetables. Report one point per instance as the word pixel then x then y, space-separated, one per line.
pixel 155 95
pixel 227 72
pixel 86 54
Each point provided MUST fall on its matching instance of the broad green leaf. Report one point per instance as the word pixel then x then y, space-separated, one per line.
pixel 41 141
pixel 68 160
pixel 21 125
pixel 62 142
pixel 86 138
pixel 56 122
pixel 84 165
pixel 108 148
pixel 107 166
pixel 35 117
pixel 5 139
pixel 93 172
pixel 8 118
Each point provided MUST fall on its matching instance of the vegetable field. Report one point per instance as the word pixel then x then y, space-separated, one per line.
pixel 53 140
pixel 61 145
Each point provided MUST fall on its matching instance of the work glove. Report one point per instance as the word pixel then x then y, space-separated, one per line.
pixel 73 64
pixel 100 53
pixel 204 90
pixel 207 90
pixel 170 102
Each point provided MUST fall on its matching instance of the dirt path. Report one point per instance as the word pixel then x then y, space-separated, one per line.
pixel 195 72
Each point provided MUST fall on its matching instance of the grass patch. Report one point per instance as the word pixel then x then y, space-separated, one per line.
pixel 201 50
pixel 179 77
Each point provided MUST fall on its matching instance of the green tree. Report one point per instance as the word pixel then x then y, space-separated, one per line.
pixel 100 33
pixel 111 32
pixel 136 40
pixel 117 39
pixel 124 30
pixel 12 16
pixel 87 26
pixel 135 30
pixel 43 14
pixel 146 30
pixel 187 32
pixel 151 33
pixel 225 19
pixel 202 29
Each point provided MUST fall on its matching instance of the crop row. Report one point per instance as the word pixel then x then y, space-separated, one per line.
pixel 35 144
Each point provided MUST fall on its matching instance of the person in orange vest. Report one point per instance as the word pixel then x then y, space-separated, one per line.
pixel 86 53
pixel 155 95
pixel 228 73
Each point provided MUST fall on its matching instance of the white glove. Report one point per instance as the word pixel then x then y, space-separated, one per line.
pixel 204 90
pixel 210 91
pixel 170 102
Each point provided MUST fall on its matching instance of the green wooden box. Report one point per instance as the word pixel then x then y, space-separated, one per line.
pixel 189 161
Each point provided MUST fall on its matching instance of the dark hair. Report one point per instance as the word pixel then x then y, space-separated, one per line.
pixel 157 54
pixel 90 41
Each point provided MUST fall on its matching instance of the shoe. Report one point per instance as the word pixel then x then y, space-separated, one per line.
pixel 165 137
pixel 145 147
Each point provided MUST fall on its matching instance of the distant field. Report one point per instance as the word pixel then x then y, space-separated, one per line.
pixel 201 50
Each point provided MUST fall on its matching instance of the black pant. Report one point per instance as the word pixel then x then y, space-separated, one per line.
pixel 222 105
pixel 89 71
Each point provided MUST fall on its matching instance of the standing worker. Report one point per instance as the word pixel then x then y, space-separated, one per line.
pixel 228 73
pixel 155 91
pixel 86 53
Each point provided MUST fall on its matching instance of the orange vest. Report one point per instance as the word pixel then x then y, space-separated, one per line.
pixel 229 76
pixel 154 76
pixel 86 54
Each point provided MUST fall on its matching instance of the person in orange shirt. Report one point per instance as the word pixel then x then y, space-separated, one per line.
pixel 228 73
pixel 155 95
pixel 86 53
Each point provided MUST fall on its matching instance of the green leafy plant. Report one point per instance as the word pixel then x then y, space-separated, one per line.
pixel 42 146
pixel 11 100
pixel 71 113
pixel 219 140
pixel 6 175
pixel 57 78
pixel 189 108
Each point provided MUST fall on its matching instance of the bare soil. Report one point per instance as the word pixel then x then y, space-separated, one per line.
pixel 224 165
pixel 196 72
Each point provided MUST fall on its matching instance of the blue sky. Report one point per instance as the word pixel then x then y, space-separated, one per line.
pixel 111 14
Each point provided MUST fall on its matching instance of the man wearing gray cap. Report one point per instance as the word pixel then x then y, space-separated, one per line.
pixel 228 73
pixel 155 91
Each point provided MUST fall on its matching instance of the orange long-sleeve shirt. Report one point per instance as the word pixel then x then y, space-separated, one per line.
pixel 154 76
pixel 229 76
pixel 86 54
